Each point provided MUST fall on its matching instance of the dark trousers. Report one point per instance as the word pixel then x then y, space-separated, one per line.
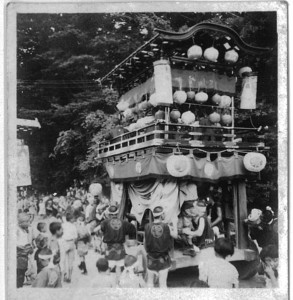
pixel 20 275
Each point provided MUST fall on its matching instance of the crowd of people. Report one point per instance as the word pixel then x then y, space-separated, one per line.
pixel 52 229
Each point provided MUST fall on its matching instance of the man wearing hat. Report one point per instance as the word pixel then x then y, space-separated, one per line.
pixel 158 243
pixel 185 220
pixel 203 235
pixel 114 231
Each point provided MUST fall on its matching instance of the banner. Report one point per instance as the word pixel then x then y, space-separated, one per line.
pixel 23 166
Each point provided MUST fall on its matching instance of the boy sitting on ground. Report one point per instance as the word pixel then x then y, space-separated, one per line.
pixel 50 275
pixel 217 272
pixel 104 278
pixel 270 258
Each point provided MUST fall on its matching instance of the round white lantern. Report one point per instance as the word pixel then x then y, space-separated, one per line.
pixel 231 56
pixel 216 98
pixel 188 117
pixel 214 117
pixel 180 97
pixel 201 97
pixel 211 54
pixel 225 101
pixel 226 119
pixel 194 52
pixel 95 189
pixel 190 95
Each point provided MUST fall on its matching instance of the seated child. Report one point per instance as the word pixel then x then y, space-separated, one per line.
pixel 104 278
pixel 41 243
pixel 129 278
pixel 217 272
pixel 50 275
pixel 270 258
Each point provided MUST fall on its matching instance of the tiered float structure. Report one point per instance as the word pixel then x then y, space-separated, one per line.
pixel 177 93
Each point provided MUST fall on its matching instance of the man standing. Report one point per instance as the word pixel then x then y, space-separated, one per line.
pixel 158 243
pixel 114 231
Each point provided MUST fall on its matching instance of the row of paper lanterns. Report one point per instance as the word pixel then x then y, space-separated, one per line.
pixel 211 54
pixel 187 118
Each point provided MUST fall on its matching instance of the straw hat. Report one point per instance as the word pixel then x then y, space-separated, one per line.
pixel 254 162
pixel 158 210
pixel 254 215
pixel 178 165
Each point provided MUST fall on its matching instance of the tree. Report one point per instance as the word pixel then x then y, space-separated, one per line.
pixel 60 58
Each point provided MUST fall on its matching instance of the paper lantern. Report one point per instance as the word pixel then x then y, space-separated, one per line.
pixel 190 95
pixel 211 54
pixel 231 56
pixel 153 100
pixel 159 115
pixel 201 97
pixel 216 98
pixel 175 115
pixel 226 119
pixel 244 70
pixel 188 117
pixel 95 189
pixel 248 93
pixel 194 52
pixel 178 165
pixel 209 169
pixel 180 97
pixel 215 117
pixel 254 162
pixel 225 101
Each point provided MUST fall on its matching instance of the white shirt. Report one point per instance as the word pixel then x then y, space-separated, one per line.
pixel 69 231
pixel 22 237
pixel 218 273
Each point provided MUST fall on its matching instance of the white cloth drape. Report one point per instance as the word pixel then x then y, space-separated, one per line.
pixel 166 193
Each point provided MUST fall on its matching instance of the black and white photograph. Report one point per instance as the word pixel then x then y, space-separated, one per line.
pixel 144 150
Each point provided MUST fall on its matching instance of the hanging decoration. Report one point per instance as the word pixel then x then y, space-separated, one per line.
pixel 214 117
pixel 163 82
pixel 180 97
pixel 188 117
pixel 178 165
pixel 194 52
pixel 95 189
pixel 175 115
pixel 211 54
pixel 248 94
pixel 254 161
pixel 231 56
pixel 225 101
pixel 244 70
pixel 226 119
pixel 216 98
pixel 160 115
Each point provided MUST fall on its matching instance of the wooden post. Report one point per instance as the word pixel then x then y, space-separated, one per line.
pixel 240 213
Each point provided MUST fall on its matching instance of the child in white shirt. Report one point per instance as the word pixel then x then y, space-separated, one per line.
pixel 217 272
pixel 69 238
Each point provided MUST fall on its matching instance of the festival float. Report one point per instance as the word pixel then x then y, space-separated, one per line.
pixel 180 94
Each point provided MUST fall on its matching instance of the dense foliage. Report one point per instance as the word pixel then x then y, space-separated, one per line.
pixel 61 57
